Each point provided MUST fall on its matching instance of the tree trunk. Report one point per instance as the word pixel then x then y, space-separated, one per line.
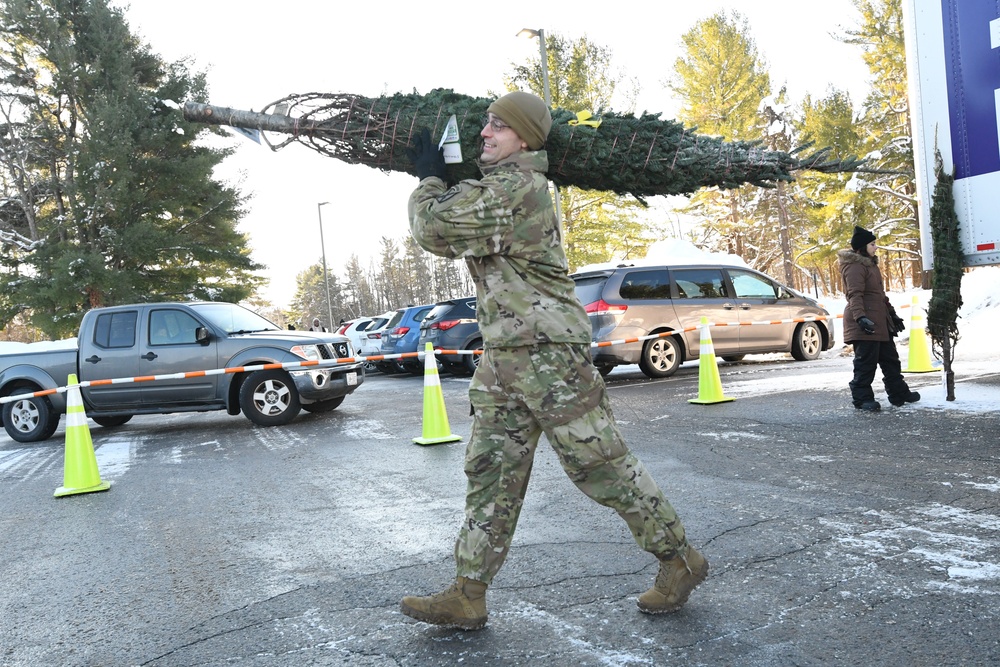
pixel 786 243
pixel 949 374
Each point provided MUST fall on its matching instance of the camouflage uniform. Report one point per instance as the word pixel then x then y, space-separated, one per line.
pixel 536 375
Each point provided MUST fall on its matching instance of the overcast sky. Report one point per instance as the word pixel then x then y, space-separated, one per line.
pixel 253 58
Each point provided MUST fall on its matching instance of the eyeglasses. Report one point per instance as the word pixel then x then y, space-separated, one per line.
pixel 494 123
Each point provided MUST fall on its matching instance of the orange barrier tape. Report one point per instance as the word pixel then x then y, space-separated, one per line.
pixel 377 357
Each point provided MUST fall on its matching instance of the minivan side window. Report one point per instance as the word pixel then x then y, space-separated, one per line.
pixel 700 284
pixel 751 286
pixel 646 285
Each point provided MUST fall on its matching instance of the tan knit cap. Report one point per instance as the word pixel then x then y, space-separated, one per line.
pixel 527 114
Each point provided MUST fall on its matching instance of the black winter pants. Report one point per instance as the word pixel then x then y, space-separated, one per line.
pixel 868 355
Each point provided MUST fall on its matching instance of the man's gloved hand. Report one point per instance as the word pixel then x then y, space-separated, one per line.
pixel 426 156
pixel 866 325
pixel 897 322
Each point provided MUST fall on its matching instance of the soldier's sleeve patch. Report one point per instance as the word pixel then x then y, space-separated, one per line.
pixel 448 194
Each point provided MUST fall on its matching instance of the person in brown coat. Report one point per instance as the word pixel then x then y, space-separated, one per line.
pixel 870 324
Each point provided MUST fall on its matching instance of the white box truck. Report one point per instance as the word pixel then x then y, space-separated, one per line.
pixel 953 67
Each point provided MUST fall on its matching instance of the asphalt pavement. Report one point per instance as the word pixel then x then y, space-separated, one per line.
pixel 835 537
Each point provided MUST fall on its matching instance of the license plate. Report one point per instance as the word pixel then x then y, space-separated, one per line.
pixel 352 379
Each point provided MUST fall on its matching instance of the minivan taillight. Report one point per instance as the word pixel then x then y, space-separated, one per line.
pixel 602 307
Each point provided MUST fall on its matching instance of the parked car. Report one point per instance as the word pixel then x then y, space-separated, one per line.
pixel 452 325
pixel 634 301
pixel 402 335
pixel 355 330
pixel 371 341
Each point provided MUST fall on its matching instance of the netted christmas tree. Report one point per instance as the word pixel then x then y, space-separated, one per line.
pixel 946 283
pixel 643 156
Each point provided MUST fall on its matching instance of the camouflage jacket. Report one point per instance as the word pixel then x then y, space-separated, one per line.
pixel 505 228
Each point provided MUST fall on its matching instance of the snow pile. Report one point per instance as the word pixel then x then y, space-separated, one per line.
pixel 979 317
pixel 8 347
pixel 675 252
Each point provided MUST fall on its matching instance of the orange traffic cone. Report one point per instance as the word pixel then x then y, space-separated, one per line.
pixel 919 358
pixel 80 469
pixel 709 383
pixel 436 430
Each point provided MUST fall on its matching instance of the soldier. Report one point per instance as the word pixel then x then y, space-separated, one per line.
pixel 536 373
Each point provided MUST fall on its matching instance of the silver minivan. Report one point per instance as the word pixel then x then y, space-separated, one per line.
pixel 635 301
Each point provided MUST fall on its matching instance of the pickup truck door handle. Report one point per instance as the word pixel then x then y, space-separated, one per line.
pixel 149 356
pixel 92 359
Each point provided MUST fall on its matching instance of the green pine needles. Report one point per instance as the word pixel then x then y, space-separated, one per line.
pixel 642 156
pixel 946 283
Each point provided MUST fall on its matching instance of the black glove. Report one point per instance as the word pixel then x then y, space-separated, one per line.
pixel 866 325
pixel 897 322
pixel 426 156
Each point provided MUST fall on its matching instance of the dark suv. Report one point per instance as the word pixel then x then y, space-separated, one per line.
pixel 635 301
pixel 401 335
pixel 452 325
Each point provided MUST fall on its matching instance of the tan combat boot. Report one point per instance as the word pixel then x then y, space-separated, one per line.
pixel 462 605
pixel 674 582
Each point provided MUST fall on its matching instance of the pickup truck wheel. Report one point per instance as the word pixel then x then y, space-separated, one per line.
pixel 29 419
pixel 269 398
pixel 323 406
pixel 111 422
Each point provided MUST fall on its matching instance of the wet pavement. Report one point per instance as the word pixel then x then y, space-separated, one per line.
pixel 834 537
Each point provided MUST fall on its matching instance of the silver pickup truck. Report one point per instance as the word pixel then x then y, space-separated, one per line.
pixel 176 338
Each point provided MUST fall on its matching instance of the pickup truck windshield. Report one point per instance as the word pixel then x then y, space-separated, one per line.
pixel 233 319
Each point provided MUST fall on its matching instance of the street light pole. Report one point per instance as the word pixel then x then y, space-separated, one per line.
pixel 326 280
pixel 540 34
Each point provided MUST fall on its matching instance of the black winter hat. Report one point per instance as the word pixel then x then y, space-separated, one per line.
pixel 861 238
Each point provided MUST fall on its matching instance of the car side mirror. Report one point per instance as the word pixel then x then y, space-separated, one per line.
pixel 202 335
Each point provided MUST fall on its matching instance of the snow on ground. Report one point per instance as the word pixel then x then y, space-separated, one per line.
pixel 977 352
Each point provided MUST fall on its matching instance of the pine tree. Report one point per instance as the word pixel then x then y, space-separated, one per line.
pixel 888 199
pixel 309 300
pixel 642 156
pixel 721 79
pixel 112 201
pixel 358 291
pixel 828 206
pixel 416 267
pixel 597 226
pixel 949 260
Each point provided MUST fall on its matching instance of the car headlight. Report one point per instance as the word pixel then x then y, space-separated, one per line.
pixel 310 352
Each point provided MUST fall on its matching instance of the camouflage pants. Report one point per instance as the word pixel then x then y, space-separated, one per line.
pixel 519 393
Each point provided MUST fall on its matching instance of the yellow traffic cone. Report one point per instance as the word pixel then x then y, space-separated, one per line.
pixel 919 358
pixel 709 383
pixel 80 472
pixel 436 430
